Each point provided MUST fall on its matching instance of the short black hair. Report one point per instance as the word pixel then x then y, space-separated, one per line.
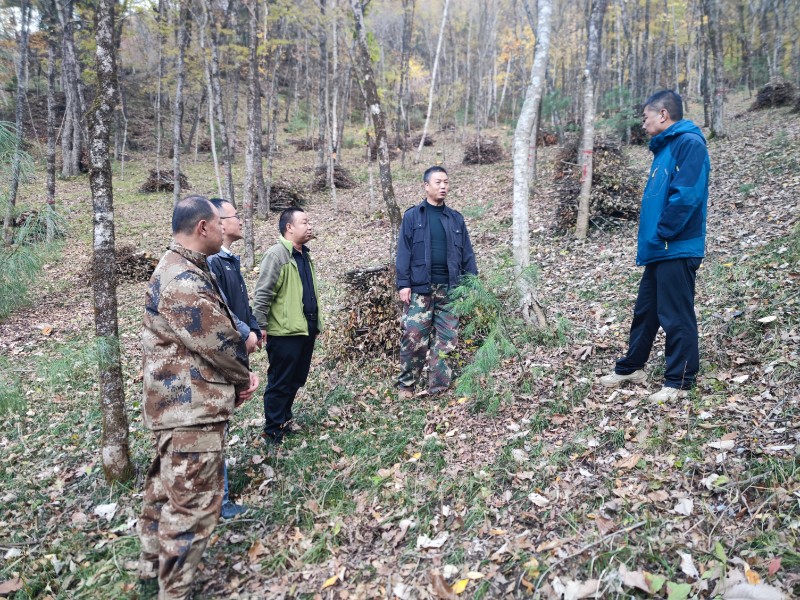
pixel 669 100
pixel 218 202
pixel 188 212
pixel 430 171
pixel 287 216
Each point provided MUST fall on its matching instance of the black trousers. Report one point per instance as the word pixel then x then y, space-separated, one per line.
pixel 289 363
pixel 666 299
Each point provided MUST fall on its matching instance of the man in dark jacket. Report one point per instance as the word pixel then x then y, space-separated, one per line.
pixel 227 270
pixel 433 254
pixel 671 246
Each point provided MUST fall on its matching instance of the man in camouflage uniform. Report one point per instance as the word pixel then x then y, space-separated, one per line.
pixel 433 253
pixel 195 373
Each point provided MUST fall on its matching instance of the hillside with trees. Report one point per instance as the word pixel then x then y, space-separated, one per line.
pixel 527 479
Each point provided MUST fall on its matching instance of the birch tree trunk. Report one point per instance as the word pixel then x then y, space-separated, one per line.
pixel 177 116
pixel 253 135
pixel 433 80
pixel 401 130
pixel 51 130
pixel 210 94
pixel 322 103
pixel 115 455
pixel 370 90
pixel 587 139
pixel 72 134
pixel 216 95
pixel 159 80
pixel 16 160
pixel 718 78
pixel 524 144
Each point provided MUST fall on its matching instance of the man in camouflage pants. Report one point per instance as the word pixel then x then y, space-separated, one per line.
pixel 433 253
pixel 195 373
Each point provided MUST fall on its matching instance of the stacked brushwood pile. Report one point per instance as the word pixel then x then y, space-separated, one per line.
pixel 204 145
pixel 283 195
pixel 134 265
pixel 776 93
pixel 368 325
pixel 483 151
pixel 302 144
pixel 616 188
pixel 341 179
pixel 546 138
pixel 429 140
pixel 163 181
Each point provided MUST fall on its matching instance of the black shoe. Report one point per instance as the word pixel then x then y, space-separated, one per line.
pixel 231 510
pixel 273 439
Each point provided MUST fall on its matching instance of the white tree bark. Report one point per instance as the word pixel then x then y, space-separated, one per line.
pixel 718 77
pixel 524 144
pixel 587 139
pixel 433 80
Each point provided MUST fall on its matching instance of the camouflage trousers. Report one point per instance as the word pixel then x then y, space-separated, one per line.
pixel 182 500
pixel 430 332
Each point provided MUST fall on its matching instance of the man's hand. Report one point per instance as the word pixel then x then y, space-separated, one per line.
pixel 261 340
pixel 251 343
pixel 243 395
pixel 405 295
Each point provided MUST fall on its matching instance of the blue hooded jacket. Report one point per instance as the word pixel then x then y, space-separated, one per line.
pixel 672 222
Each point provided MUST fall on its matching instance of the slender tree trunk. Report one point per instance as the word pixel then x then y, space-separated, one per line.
pixel 370 91
pixel 210 94
pixel 51 129
pixel 401 125
pixel 433 80
pixel 72 134
pixel 16 160
pixel 116 457
pixel 177 117
pixel 718 80
pixel 322 103
pixel 525 144
pixel 159 80
pixel 587 139
pixel 216 94
pixel 253 134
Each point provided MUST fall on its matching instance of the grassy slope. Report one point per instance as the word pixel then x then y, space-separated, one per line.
pixel 353 496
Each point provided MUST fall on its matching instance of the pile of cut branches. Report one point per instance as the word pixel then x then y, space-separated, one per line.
pixel 546 138
pixel 368 324
pixel 134 265
pixel 341 179
pixel 302 144
pixel 616 188
pixel 283 195
pixel 163 181
pixel 483 151
pixel 394 150
pixel 776 93
pixel 204 145
pixel 429 140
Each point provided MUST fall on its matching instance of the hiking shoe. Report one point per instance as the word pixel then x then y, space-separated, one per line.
pixel 667 394
pixel 291 428
pixel 405 393
pixel 231 510
pixel 613 380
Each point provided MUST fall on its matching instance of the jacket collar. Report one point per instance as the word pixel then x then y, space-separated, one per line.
pixel 424 204
pixel 290 247
pixel 196 258
pixel 677 128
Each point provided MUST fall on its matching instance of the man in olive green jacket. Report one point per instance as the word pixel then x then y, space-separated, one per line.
pixel 285 306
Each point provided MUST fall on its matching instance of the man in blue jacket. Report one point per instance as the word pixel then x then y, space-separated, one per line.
pixel 433 253
pixel 671 246
pixel 227 270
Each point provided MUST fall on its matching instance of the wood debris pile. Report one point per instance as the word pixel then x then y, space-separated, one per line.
pixel 776 93
pixel 204 145
pixel 341 179
pixel 163 181
pixel 368 325
pixel 283 195
pixel 546 138
pixel 616 187
pixel 483 151
pixel 394 149
pixel 134 265
pixel 429 140
pixel 302 144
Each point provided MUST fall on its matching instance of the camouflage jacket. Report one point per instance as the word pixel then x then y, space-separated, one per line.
pixel 193 355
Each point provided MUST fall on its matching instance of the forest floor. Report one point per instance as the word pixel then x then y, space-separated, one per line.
pixel 538 482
